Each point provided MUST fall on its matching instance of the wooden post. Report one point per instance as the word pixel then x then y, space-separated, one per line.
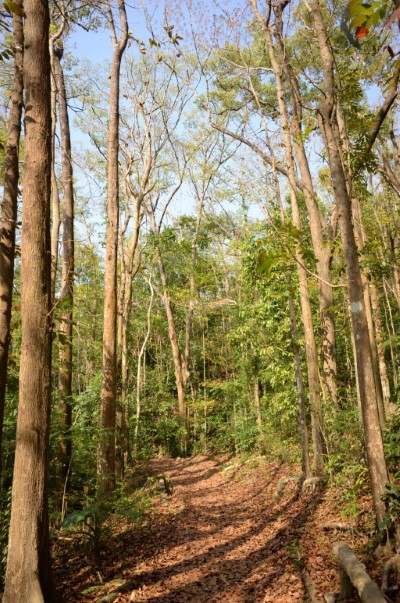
pixel 353 572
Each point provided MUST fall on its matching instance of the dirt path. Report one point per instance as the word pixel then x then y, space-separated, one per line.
pixel 221 536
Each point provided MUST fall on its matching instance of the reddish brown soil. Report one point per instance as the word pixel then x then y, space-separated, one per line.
pixel 220 536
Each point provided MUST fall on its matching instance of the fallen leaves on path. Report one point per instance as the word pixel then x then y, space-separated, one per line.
pixel 221 537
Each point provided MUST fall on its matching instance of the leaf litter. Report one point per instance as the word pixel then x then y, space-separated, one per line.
pixel 221 536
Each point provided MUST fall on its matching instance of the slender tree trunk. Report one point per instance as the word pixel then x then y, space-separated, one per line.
pixel 360 238
pixel 392 333
pixel 180 368
pixel 305 458
pixel 130 264
pixel 395 245
pixel 139 367
pixel 9 208
pixel 55 197
pixel 321 242
pixel 256 396
pixel 106 459
pixel 311 349
pixel 28 575
pixel 66 298
pixel 389 407
pixel 373 437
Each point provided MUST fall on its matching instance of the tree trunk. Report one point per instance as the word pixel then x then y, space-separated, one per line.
pixel 8 219
pixel 360 238
pixel 130 264
pixel 106 459
pixel 311 350
pixel 256 397
pixel 301 396
pixel 139 367
pixel 55 197
pixel 390 328
pixel 379 334
pixel 180 369
pixel 305 458
pixel 66 298
pixel 395 245
pixel 320 241
pixel 28 575
pixel 373 437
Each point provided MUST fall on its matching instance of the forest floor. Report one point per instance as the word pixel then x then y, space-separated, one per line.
pixel 222 535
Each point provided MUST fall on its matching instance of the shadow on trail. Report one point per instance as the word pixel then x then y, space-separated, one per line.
pixel 222 574
pixel 196 547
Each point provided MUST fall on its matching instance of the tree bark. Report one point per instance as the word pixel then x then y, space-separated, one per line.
pixel 256 397
pixel 373 437
pixel 55 197
pixel 311 350
pixel 180 369
pixel 301 396
pixel 360 238
pixel 321 241
pixel 106 458
pixel 130 260
pixel 28 575
pixel 379 335
pixel 139 367
pixel 9 208
pixel 66 298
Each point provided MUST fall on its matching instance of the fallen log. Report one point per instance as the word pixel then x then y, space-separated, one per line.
pixel 310 587
pixel 392 565
pixel 353 575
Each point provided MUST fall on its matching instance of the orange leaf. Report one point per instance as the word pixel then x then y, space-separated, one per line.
pixel 362 31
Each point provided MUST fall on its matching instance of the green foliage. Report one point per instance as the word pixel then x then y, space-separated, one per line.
pixel 93 521
pixel 5 515
pixel 365 14
pixel 392 445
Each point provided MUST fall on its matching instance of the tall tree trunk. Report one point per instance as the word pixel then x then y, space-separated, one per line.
pixel 360 238
pixel 305 458
pixel 8 219
pixel 130 260
pixel 311 349
pixel 390 328
pixel 28 575
pixel 55 197
pixel 389 407
pixel 373 437
pixel 66 298
pixel 395 246
pixel 321 241
pixel 139 367
pixel 106 459
pixel 301 396
pixel 180 368
pixel 256 397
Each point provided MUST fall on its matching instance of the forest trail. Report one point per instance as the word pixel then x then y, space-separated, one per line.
pixel 220 536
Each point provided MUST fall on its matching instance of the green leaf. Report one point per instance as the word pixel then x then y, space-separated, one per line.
pixel 357 21
pixel 13 7
pixel 91 589
pixel 131 514
pixel 354 7
pixel 78 517
pixel 267 261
